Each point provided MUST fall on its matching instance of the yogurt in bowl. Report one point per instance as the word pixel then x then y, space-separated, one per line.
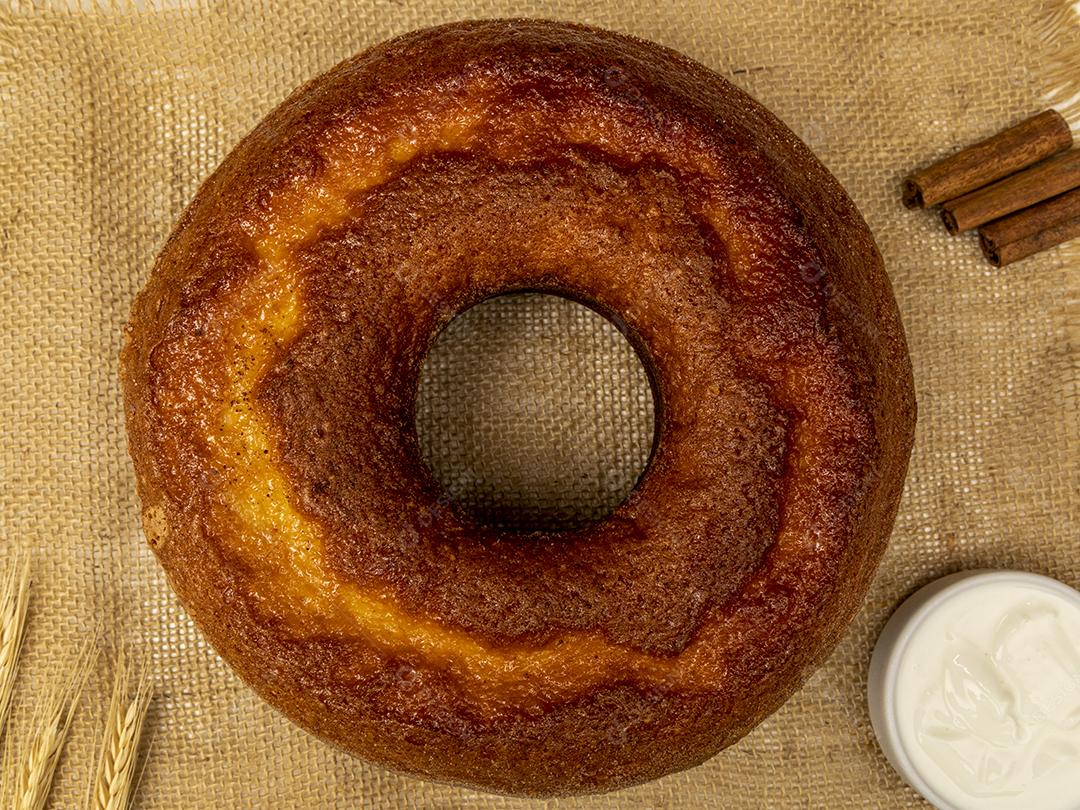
pixel 974 691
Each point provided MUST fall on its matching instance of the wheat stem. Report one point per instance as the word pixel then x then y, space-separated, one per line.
pixel 14 601
pixel 113 781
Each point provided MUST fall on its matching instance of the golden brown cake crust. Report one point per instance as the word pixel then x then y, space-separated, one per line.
pixel 270 373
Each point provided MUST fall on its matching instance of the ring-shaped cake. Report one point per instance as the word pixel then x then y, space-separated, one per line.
pixel 270 374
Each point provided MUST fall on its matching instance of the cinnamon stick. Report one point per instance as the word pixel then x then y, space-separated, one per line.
pixel 1032 230
pixel 1010 151
pixel 1047 179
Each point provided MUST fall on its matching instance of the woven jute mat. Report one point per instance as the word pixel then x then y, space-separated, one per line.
pixel 112 113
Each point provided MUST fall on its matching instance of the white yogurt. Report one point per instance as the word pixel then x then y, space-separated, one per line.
pixel 975 692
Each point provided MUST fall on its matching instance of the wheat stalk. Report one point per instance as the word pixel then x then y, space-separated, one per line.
pixel 7 775
pixel 111 788
pixel 33 771
pixel 14 600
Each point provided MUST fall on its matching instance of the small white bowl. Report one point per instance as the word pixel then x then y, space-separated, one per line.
pixel 886 670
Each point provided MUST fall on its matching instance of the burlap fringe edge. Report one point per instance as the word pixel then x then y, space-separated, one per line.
pixel 1061 78
pixel 1070 258
pixel 1061 71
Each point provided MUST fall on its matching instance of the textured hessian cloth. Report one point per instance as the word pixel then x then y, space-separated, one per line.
pixel 112 113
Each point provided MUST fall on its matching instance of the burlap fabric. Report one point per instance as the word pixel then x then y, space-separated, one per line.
pixel 110 116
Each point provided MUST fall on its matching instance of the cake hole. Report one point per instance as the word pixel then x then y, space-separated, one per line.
pixel 534 413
